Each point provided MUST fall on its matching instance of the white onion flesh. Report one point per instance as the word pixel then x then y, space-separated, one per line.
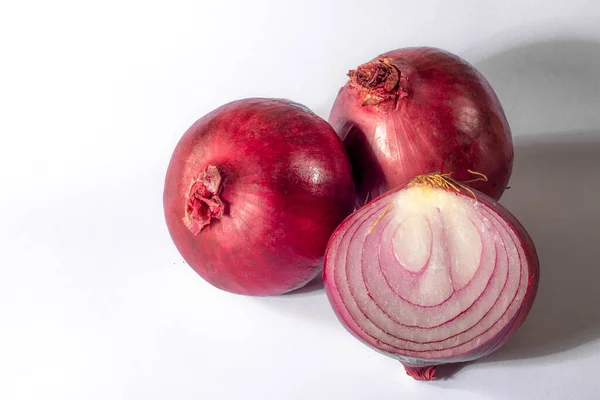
pixel 429 275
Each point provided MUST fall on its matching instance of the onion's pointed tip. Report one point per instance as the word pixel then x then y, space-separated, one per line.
pixel 421 373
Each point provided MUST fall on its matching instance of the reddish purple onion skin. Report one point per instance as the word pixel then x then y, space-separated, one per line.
pixel 253 192
pixel 353 312
pixel 420 110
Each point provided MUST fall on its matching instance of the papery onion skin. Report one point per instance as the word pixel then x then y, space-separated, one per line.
pixel 422 368
pixel 253 192
pixel 420 110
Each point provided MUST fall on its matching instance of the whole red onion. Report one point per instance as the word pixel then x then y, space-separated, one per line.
pixel 414 111
pixel 253 192
pixel 431 272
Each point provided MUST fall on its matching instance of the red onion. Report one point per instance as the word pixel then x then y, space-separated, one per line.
pixel 415 111
pixel 431 272
pixel 253 192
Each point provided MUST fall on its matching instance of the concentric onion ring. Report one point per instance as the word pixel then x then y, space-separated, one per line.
pixel 430 274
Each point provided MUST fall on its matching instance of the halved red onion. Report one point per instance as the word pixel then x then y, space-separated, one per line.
pixel 432 272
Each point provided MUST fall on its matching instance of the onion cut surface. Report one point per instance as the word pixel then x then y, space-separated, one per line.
pixel 430 273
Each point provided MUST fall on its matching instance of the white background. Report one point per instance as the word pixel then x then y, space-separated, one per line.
pixel 96 302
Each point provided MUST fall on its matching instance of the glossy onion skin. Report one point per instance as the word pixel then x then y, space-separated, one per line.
pixel 286 185
pixel 443 116
pixel 417 367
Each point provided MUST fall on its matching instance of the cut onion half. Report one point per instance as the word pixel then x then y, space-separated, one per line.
pixel 432 272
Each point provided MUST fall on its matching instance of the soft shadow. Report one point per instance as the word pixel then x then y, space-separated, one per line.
pixel 307 303
pixel 448 371
pixel 551 94
pixel 314 285
pixel 555 193
pixel 548 87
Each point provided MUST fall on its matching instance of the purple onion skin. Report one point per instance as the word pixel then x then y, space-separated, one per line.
pixel 421 110
pixel 425 369
pixel 253 192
